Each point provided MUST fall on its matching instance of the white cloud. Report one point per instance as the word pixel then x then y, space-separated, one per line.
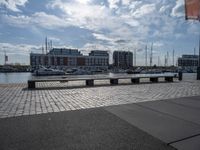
pixel 102 37
pixel 18 52
pixel 134 21
pixel 130 20
pixel 165 9
pixel 40 19
pixel 13 4
pixel 126 2
pixel 22 49
pixel 113 4
pixel 54 39
pixel 144 10
pixel 18 21
pixel 178 9
pixel 138 21
pixel 193 28
pixel 48 21
pixel 135 4
pixel 84 1
pixel 90 16
pixel 96 46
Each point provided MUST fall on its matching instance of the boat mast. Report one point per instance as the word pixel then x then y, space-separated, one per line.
pixel 146 56
pixel 151 55
pixel 46 44
pixel 135 57
pixel 5 58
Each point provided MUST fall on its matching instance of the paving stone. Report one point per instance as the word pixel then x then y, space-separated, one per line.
pixel 55 97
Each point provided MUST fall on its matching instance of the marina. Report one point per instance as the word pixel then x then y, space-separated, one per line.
pixel 6 78
pixel 16 99
pixel 99 75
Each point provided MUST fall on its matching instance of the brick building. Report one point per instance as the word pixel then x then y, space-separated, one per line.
pixel 71 58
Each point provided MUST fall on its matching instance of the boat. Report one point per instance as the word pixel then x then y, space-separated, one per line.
pixel 136 71
pixel 118 71
pixel 151 72
pixel 78 71
pixel 48 72
pixel 130 71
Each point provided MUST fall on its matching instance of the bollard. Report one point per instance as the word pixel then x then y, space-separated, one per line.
pixel 198 73
pixel 31 84
pixel 89 82
pixel 180 75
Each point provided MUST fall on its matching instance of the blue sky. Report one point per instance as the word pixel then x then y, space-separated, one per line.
pixel 96 24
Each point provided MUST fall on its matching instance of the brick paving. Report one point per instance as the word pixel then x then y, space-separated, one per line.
pixel 17 100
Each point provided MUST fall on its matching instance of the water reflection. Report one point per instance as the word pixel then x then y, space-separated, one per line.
pixel 15 77
pixel 23 77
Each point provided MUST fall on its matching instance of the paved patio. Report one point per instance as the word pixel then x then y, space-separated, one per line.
pixel 163 124
pixel 139 116
pixel 17 100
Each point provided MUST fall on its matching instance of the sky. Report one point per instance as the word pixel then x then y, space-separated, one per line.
pixel 110 25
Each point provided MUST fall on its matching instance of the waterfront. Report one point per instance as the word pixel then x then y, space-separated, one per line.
pixel 16 100
pixel 20 77
pixel 97 113
pixel 6 78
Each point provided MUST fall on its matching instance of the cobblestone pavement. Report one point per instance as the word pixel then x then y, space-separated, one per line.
pixel 17 100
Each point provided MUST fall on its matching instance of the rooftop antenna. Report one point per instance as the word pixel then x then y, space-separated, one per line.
pixel 194 51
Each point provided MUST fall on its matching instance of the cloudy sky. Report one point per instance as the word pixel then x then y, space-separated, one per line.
pixel 96 24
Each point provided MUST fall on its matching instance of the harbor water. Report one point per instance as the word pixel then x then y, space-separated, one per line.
pixel 6 78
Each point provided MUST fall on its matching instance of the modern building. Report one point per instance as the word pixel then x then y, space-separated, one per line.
pixel 71 58
pixel 188 62
pixel 122 59
pixel 97 60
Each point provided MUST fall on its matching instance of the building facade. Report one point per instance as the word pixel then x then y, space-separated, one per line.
pixel 188 62
pixel 71 58
pixel 122 59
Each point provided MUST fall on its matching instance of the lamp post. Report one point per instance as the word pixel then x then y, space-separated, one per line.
pixel 198 68
pixel 192 11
